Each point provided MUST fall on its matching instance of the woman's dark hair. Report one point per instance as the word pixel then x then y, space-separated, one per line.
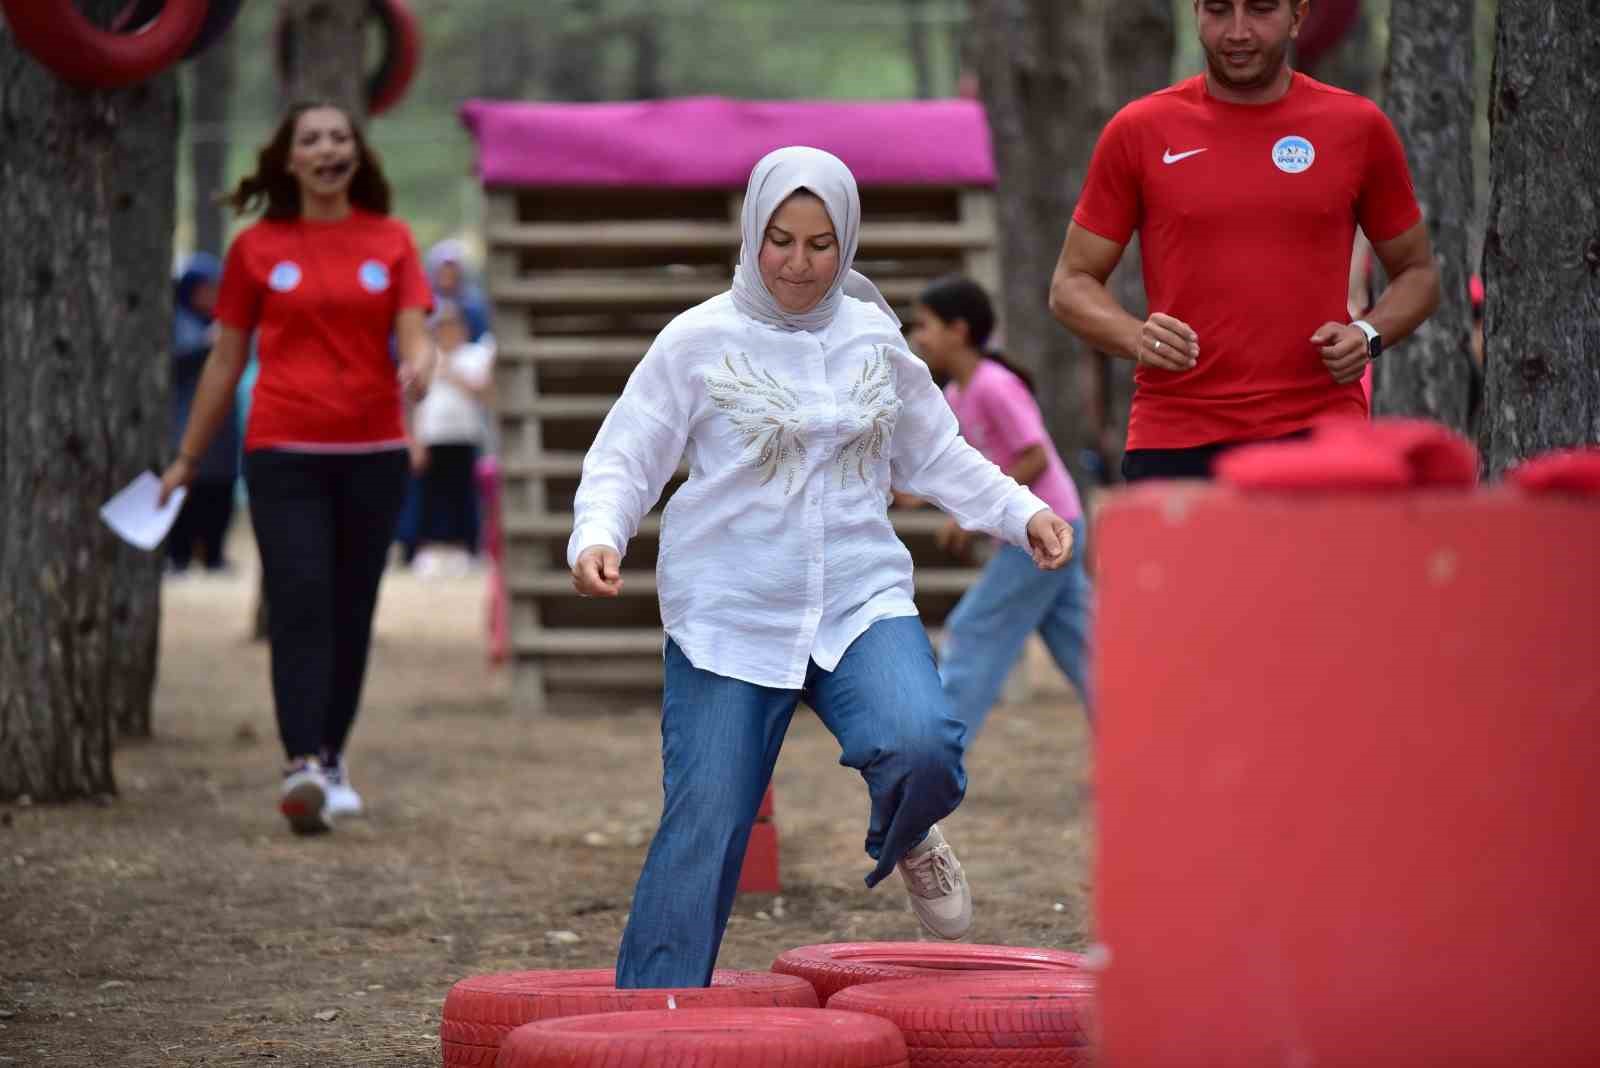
pixel 273 185
pixel 957 298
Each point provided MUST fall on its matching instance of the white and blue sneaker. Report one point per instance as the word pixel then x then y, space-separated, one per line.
pixel 342 797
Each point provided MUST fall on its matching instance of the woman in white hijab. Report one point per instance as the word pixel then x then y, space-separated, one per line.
pixel 798 408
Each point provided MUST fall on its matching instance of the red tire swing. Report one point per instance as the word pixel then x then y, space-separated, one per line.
pixel 1325 27
pixel 138 16
pixel 397 65
pixel 79 52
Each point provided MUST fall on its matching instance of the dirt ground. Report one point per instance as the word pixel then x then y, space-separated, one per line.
pixel 181 924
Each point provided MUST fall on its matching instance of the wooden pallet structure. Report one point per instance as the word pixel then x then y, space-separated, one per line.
pixel 605 221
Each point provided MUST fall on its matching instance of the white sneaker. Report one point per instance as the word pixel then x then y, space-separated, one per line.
pixel 342 797
pixel 303 800
pixel 937 887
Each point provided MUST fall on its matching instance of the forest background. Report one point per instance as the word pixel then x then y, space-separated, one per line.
pixel 593 50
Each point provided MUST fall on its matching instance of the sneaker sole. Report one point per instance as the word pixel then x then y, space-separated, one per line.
pixel 303 807
pixel 940 935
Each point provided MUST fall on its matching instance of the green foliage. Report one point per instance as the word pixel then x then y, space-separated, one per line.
pixel 592 50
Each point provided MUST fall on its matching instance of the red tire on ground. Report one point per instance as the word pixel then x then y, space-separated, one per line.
pixel 481 1011
pixel 709 1038
pixel 981 1021
pixel 834 966
pixel 79 52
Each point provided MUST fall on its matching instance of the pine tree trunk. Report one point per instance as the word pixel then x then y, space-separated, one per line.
pixel 1140 38
pixel 1541 258
pixel 919 44
pixel 329 59
pixel 144 186
pixel 1429 97
pixel 1041 82
pixel 213 78
pixel 86 212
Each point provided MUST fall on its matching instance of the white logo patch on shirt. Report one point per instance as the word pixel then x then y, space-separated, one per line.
pixel 284 276
pixel 374 276
pixel 1293 154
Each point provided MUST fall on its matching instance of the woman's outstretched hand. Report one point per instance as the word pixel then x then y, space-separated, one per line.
pixel 179 473
pixel 598 572
pixel 1049 540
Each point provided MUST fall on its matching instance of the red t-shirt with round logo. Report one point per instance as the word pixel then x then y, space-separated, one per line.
pixel 1246 218
pixel 323 297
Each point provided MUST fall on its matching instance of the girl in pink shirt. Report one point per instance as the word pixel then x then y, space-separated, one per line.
pixel 994 406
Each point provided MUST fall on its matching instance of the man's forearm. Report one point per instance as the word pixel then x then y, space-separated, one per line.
pixel 1411 296
pixel 1086 307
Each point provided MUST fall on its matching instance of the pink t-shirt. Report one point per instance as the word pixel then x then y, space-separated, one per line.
pixel 999 418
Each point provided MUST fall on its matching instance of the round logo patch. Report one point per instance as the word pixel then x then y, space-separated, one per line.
pixel 1293 154
pixel 284 276
pixel 374 276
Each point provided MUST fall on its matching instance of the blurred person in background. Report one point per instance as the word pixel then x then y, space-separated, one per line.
pixel 450 278
pixel 202 523
pixel 996 411
pixel 448 430
pixel 325 280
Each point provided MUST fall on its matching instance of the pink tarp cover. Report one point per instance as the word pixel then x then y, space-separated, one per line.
pixel 709 142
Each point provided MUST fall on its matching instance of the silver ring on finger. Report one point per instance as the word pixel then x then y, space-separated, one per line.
pixel 1158 344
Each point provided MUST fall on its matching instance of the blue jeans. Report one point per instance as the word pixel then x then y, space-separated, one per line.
pixel 1012 599
pixel 719 742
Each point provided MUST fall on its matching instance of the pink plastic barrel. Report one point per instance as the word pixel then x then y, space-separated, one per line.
pixel 1349 778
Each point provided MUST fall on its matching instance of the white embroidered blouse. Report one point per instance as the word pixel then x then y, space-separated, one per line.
pixel 778 550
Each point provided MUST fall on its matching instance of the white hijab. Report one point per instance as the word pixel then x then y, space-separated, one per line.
pixel 775 178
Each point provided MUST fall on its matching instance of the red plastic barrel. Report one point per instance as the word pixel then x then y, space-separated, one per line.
pixel 1349 778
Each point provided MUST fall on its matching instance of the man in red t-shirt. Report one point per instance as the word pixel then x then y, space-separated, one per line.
pixel 1245 185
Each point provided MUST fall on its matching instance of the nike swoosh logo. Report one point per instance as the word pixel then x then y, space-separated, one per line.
pixel 1169 159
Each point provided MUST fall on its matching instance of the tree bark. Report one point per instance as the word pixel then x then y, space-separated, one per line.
pixel 1542 249
pixel 213 78
pixel 329 58
pixel 919 42
pixel 1140 38
pixel 1042 84
pixel 1429 97
pixel 649 80
pixel 84 324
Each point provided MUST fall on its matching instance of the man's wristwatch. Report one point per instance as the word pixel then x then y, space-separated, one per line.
pixel 1374 339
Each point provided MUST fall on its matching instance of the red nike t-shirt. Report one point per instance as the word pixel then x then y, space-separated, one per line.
pixel 1246 218
pixel 323 296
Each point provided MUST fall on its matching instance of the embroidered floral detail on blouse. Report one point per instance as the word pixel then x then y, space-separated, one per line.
pixel 766 413
pixel 869 412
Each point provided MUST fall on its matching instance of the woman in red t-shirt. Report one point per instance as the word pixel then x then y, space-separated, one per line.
pixel 324 280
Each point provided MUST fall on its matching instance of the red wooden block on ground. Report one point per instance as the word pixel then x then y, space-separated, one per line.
pixel 1348 778
pixel 760 872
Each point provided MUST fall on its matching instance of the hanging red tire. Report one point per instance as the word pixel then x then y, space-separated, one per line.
pixel 834 966
pixel 983 1021
pixel 402 51
pixel 79 52
pixel 481 1011
pixel 709 1038
pixel 1325 27
pixel 138 16
pixel 399 55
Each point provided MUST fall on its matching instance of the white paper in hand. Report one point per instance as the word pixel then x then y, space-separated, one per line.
pixel 135 516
